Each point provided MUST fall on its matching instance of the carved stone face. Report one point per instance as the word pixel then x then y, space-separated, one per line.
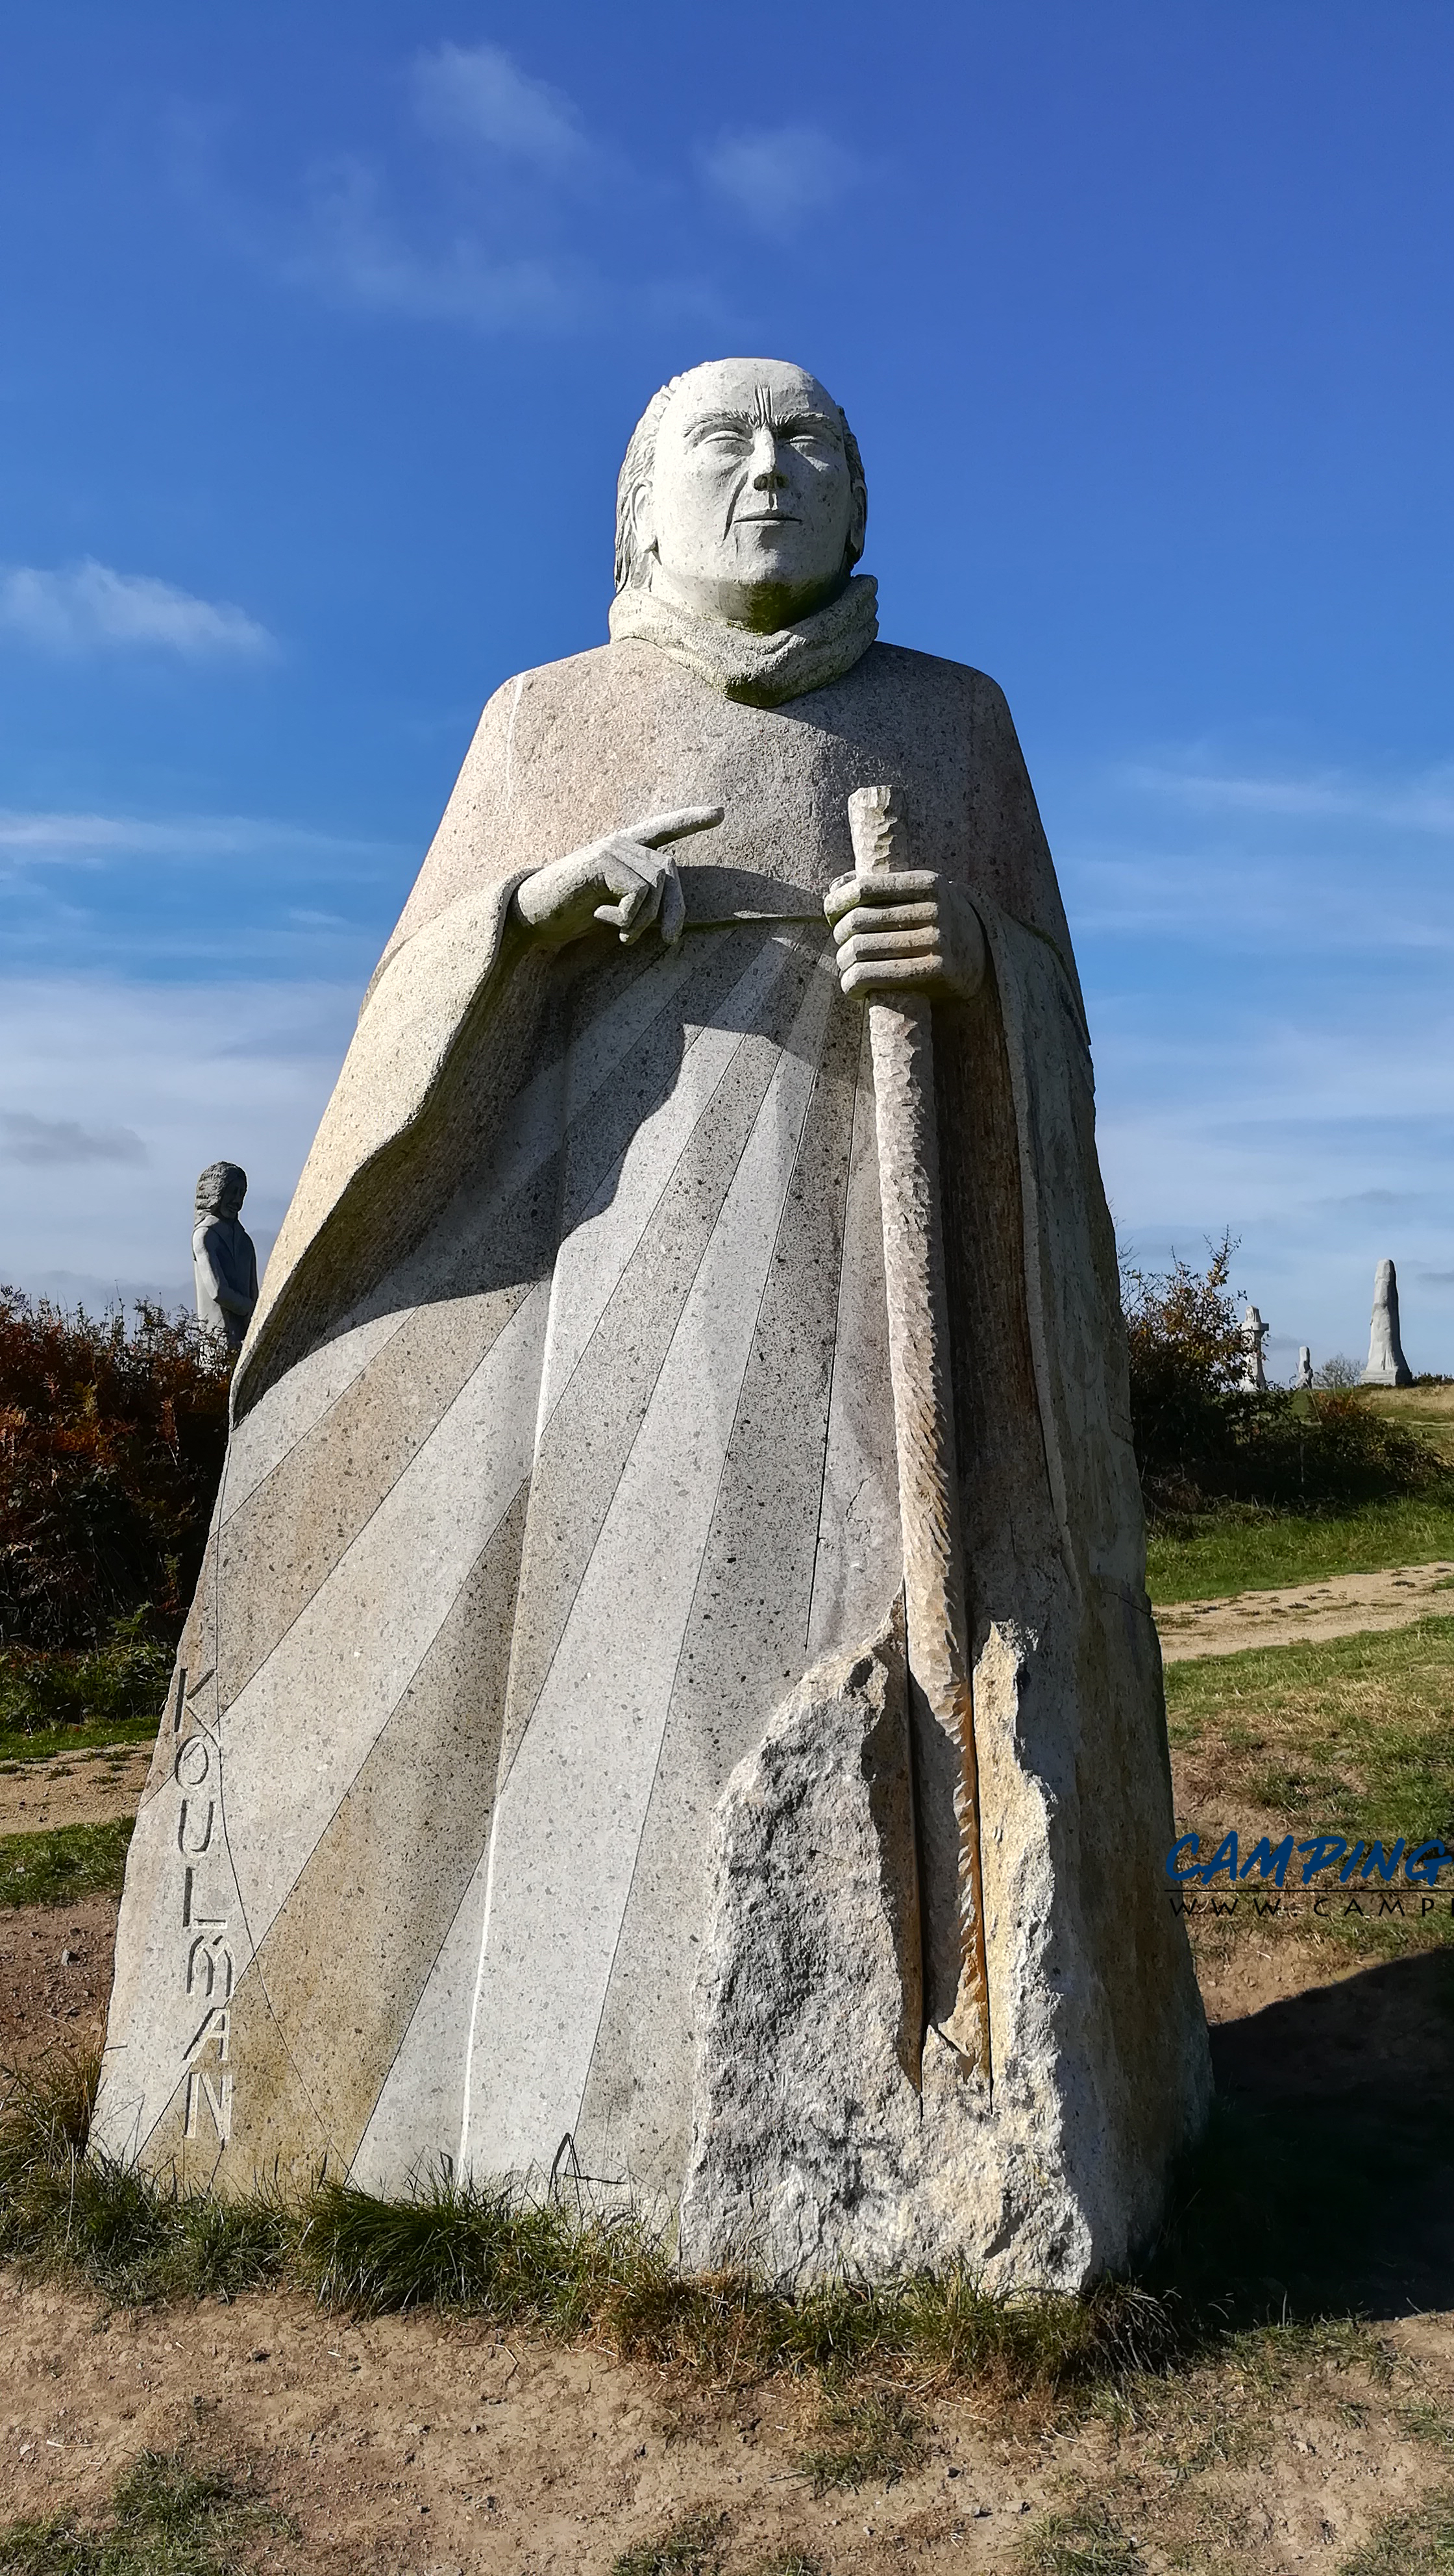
pixel 221 1190
pixel 751 511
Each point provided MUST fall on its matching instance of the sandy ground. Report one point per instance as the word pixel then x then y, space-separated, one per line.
pixel 419 2447
pixel 1343 1606
pixel 415 2448
pixel 55 1975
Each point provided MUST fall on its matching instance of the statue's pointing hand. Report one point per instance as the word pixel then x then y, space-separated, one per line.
pixel 627 881
pixel 906 930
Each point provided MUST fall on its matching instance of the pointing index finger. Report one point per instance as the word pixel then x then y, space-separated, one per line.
pixel 674 826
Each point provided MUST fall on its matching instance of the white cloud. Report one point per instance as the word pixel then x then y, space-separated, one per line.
pixel 49 1141
pixel 777 174
pixel 90 608
pixel 354 251
pixel 1422 804
pixel 197 1072
pixel 477 92
pixel 60 836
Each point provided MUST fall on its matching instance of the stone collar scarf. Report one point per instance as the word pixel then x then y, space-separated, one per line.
pixel 760 670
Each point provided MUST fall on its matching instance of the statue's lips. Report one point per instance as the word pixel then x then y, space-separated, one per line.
pixel 766 519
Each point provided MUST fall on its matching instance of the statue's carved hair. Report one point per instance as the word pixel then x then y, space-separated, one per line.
pixel 639 464
pixel 212 1183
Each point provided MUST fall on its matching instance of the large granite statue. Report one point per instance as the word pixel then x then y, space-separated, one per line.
pixel 224 1263
pixel 1386 1363
pixel 543 1788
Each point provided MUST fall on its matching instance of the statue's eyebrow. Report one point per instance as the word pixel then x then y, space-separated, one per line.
pixel 744 421
pixel 711 420
pixel 808 420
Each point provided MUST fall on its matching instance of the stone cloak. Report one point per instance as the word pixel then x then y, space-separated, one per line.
pixel 563 1452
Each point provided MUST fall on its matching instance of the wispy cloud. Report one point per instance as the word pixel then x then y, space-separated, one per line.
pixel 354 252
pixel 89 608
pixel 777 174
pixel 1421 804
pixel 60 836
pixel 50 1141
pixel 256 1078
pixel 479 95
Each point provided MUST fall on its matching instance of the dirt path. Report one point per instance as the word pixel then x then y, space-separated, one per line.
pixel 1342 1606
pixel 415 2447
pixel 100 1782
pixel 55 1976
pixel 85 1788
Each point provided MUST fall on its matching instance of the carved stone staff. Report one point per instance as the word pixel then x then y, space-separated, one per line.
pixel 901 1034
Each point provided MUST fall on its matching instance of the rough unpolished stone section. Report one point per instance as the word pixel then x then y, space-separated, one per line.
pixel 823 2143
pixel 809 1993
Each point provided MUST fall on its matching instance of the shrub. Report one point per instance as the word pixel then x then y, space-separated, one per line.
pixel 1202 1439
pixel 111 1445
pixel 86 1685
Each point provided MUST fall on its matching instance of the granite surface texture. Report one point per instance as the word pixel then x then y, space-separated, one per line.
pixel 552 1604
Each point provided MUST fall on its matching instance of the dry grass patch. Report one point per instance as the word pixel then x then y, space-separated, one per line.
pixel 169 2517
pixel 1354 1736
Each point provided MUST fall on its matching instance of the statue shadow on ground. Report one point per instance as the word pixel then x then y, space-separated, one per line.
pixel 1325 2185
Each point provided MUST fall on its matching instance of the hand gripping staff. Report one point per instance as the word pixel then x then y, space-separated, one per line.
pixel 901 1034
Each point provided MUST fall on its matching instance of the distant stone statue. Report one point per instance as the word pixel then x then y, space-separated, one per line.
pixel 1254 1334
pixel 224 1263
pixel 1304 1377
pixel 672 1697
pixel 1386 1363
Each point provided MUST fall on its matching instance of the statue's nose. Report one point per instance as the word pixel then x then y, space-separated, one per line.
pixel 767 474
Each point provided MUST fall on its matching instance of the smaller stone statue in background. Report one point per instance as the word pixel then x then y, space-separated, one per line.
pixel 1386 1363
pixel 1254 1334
pixel 223 1259
pixel 1304 1375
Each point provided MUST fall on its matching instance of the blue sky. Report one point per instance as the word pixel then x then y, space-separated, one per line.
pixel 324 329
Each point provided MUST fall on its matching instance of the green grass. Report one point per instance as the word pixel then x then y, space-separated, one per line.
pixel 871 2438
pixel 496 2255
pixel 1243 1549
pixel 68 1860
pixel 167 2518
pixel 1420 2543
pixel 43 1744
pixel 692 2547
pixel 1087 2541
pixel 1354 1735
